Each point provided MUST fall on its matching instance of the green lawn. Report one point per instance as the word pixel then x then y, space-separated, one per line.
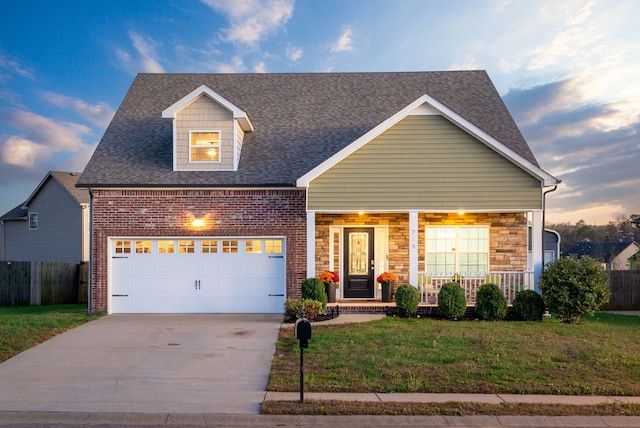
pixel 599 356
pixel 22 327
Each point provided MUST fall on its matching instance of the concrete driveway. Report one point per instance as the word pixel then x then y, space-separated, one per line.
pixel 148 364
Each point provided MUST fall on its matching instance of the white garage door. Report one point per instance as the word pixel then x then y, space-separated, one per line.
pixel 204 275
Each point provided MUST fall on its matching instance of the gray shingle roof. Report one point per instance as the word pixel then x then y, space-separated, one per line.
pixel 300 120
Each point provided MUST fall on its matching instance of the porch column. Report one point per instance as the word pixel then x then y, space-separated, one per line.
pixel 311 244
pixel 413 248
pixel 536 246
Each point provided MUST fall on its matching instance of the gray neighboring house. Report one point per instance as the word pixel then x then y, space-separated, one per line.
pixel 52 225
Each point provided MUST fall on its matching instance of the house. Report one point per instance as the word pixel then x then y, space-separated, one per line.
pixel 52 225
pixel 614 255
pixel 223 192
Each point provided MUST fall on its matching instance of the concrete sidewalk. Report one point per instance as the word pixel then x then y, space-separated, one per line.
pixel 576 400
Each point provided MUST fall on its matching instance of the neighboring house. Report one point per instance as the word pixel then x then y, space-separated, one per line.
pixel 223 192
pixel 614 255
pixel 51 226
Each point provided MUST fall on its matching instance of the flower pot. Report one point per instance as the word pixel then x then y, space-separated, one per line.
pixel 387 291
pixel 330 289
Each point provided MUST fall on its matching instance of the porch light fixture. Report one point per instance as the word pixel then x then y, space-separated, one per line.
pixel 360 212
pixel 461 212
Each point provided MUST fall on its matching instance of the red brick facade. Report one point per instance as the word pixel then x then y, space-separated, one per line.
pixel 160 213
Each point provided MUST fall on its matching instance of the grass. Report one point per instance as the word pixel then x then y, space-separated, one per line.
pixel 600 356
pixel 22 327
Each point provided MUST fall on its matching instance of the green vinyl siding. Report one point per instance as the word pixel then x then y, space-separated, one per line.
pixel 425 163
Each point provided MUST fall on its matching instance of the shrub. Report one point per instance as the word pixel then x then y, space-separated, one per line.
pixel 572 288
pixel 312 308
pixel 528 306
pixel 451 301
pixel 490 303
pixel 313 288
pixel 407 300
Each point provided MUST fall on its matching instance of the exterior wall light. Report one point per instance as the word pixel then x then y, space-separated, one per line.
pixel 197 222
pixel 360 212
pixel 460 212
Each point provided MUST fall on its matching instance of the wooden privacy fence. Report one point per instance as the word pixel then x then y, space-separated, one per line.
pixel 39 283
pixel 625 290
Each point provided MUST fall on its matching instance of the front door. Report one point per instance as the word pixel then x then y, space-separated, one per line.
pixel 359 263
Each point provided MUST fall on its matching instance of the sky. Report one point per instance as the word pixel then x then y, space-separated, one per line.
pixel 567 70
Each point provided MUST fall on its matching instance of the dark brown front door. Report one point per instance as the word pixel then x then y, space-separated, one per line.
pixel 359 263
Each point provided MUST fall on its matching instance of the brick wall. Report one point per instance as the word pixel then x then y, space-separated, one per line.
pixel 170 213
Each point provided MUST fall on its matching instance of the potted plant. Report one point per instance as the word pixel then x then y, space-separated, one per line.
pixel 387 279
pixel 330 279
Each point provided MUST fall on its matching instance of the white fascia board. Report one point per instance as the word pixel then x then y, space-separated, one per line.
pixel 544 177
pixel 238 114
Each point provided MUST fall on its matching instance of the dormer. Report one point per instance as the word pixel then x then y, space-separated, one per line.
pixel 208 131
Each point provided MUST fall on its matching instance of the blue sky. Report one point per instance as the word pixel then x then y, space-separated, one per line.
pixel 567 70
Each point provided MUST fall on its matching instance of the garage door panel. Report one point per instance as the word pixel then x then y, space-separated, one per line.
pixel 212 275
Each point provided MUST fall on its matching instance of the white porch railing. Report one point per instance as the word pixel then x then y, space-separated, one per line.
pixel 429 284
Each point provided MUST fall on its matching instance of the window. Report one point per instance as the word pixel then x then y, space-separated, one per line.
pixel 273 246
pixel 143 247
pixel 209 247
pixel 253 246
pixel 457 249
pixel 165 247
pixel 204 146
pixel 186 246
pixel 33 221
pixel 229 246
pixel 123 247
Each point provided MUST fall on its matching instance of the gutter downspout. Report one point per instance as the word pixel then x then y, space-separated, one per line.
pixel 89 281
pixel 544 225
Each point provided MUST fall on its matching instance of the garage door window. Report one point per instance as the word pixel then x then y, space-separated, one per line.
pixel 273 246
pixel 229 246
pixel 186 246
pixel 209 247
pixel 143 247
pixel 123 247
pixel 253 246
pixel 165 247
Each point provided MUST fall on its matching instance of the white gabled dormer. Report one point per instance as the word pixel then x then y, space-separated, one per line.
pixel 208 131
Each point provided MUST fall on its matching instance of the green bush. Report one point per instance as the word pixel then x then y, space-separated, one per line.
pixel 451 301
pixel 313 288
pixel 490 303
pixel 312 308
pixel 572 288
pixel 528 306
pixel 407 300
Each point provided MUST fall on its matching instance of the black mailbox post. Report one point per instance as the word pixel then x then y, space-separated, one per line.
pixel 303 334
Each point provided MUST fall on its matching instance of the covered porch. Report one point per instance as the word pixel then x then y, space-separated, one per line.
pixel 427 250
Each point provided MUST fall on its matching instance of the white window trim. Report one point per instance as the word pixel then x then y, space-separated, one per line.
pixel 31 215
pixel 456 252
pixel 211 131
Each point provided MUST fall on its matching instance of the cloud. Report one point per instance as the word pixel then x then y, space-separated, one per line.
pixel 293 53
pixel 236 66
pixel 344 42
pixel 252 20
pixel 99 114
pixel 14 67
pixel 592 147
pixel 146 60
pixel 260 67
pixel 58 136
pixel 21 152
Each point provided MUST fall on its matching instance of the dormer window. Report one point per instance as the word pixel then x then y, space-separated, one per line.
pixel 204 146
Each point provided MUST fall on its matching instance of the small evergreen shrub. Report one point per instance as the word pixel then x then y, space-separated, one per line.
pixel 572 288
pixel 312 308
pixel 451 301
pixel 528 306
pixel 313 288
pixel 407 300
pixel 491 304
